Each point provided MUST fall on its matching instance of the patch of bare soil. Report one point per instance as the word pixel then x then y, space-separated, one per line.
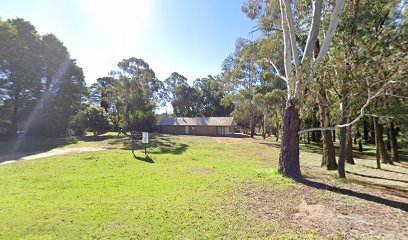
pixel 333 215
pixel 227 139
pixel 55 152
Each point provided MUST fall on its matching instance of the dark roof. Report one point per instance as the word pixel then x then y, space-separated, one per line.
pixel 197 121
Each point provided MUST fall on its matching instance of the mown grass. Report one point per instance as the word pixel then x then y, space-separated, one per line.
pixel 186 190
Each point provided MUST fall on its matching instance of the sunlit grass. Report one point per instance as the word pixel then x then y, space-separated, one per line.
pixel 190 191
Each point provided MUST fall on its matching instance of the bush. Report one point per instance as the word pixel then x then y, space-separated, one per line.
pixel 98 120
pixel 141 121
pixel 78 124
pixel 70 137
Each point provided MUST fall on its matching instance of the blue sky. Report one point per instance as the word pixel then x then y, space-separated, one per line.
pixel 192 37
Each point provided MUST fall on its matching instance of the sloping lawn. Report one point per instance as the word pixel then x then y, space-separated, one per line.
pixel 185 189
pixel 197 188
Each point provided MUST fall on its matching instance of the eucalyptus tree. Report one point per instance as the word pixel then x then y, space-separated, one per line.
pixel 100 92
pixel 212 90
pixel 171 83
pixel 186 102
pixel 139 91
pixel 270 103
pixel 368 62
pixel 242 71
pixel 299 67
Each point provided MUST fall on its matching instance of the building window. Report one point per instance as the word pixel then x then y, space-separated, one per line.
pixel 223 130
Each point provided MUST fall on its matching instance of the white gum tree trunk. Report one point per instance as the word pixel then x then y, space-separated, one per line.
pixel 289 156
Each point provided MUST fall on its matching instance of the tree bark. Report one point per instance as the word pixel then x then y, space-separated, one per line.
pixel 377 149
pixel 334 135
pixel 383 154
pixel 264 126
pixel 329 154
pixel 277 127
pixel 372 134
pixel 393 141
pixel 359 141
pixel 289 164
pixel 252 127
pixel 349 146
pixel 343 134
pixel 365 131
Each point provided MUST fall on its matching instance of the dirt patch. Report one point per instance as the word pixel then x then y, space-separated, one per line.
pixel 227 139
pixel 55 152
pixel 330 214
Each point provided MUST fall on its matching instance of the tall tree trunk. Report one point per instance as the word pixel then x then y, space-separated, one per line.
pixel 277 127
pixel 383 154
pixel 264 125
pixel 365 131
pixel 373 133
pixel 377 148
pixel 329 154
pixel 289 164
pixel 334 135
pixel 314 133
pixel 359 141
pixel 343 134
pixel 251 127
pixel 387 142
pixel 349 146
pixel 393 141
pixel 308 137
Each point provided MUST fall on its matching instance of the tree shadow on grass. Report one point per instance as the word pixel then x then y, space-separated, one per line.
pixel 158 144
pixel 382 169
pixel 364 196
pixel 275 145
pixel 368 176
pixel 13 149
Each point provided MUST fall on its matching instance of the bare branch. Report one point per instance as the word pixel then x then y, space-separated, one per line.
pixel 286 44
pixel 397 96
pixel 291 28
pixel 334 21
pixel 362 112
pixel 276 69
pixel 314 29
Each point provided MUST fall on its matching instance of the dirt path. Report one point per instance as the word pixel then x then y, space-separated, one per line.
pixel 53 152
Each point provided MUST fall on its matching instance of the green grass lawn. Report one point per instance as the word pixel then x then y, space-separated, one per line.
pixel 190 191
pixel 187 188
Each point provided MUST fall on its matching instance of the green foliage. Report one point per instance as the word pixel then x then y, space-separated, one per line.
pixel 78 124
pixel 141 121
pixel 41 88
pixel 204 98
pixel 97 120
pixel 130 95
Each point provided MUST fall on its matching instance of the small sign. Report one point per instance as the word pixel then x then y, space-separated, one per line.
pixel 145 138
pixel 137 135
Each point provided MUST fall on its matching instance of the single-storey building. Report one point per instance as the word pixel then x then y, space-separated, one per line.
pixel 208 126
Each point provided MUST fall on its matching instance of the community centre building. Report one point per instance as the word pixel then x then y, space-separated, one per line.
pixel 208 126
